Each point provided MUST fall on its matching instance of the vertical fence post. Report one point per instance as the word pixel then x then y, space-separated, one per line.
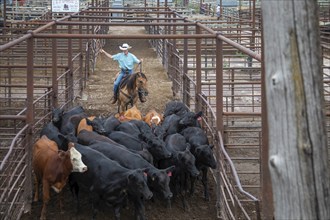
pixel 185 97
pixel 87 57
pixel 54 69
pixel 70 66
pixel 198 91
pixel 81 62
pixel 30 121
pixel 219 84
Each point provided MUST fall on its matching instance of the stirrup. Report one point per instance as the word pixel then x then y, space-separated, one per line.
pixel 114 99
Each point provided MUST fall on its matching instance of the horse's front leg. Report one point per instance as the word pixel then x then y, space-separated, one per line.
pixel 121 107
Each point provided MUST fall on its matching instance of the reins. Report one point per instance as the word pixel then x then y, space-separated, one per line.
pixel 139 65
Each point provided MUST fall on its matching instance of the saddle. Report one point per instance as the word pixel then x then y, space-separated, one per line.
pixel 121 81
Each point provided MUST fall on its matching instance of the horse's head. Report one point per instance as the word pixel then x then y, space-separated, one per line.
pixel 141 84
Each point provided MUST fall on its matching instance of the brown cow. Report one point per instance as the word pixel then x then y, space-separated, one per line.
pixel 53 167
pixel 130 114
pixel 153 117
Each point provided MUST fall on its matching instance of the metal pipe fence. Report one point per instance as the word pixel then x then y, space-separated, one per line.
pixel 215 67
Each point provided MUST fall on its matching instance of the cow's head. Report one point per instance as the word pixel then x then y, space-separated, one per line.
pixel 57 114
pixel 62 179
pixel 157 148
pixel 75 156
pixel 191 119
pixel 97 125
pixel 137 184
pixel 160 180
pixel 204 155
pixel 187 161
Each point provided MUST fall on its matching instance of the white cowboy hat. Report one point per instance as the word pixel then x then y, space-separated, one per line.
pixel 125 47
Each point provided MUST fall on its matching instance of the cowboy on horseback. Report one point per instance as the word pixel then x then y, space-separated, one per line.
pixel 126 61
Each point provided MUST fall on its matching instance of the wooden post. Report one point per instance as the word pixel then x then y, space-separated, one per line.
pixel 298 158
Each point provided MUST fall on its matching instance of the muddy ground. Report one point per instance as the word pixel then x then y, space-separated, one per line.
pixel 96 100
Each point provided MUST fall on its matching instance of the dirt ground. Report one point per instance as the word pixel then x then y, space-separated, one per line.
pixel 96 100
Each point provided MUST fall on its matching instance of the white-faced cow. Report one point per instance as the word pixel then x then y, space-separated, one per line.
pixel 52 167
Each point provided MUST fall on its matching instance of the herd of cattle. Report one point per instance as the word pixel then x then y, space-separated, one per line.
pixel 123 159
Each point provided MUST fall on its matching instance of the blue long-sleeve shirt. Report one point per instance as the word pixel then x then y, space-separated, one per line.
pixel 126 61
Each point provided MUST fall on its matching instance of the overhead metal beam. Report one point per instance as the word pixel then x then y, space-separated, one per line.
pixel 110 36
pixel 126 24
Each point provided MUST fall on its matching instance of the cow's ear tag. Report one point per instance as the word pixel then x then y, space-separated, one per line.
pixel 145 174
pixel 169 173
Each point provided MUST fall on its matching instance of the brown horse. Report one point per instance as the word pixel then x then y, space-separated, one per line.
pixel 132 88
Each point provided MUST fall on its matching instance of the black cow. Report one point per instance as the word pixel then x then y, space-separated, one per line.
pixel 110 124
pixel 184 162
pixel 139 129
pixel 142 125
pixel 180 149
pixel 158 179
pixel 195 136
pixel 147 135
pixel 71 119
pixel 129 128
pixel 70 125
pixel 129 141
pixel 155 146
pixel 89 137
pixel 203 152
pixel 73 111
pixel 158 131
pixel 57 115
pixel 108 180
pixel 175 107
pixel 175 124
pixel 53 133
pixel 86 137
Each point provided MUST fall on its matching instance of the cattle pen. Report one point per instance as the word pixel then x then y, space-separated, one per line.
pixel 216 66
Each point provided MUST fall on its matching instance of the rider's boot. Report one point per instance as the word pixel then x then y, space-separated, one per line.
pixel 114 99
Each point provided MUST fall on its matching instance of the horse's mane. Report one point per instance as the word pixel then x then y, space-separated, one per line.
pixel 129 81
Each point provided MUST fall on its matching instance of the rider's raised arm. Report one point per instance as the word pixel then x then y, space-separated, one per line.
pixel 105 53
